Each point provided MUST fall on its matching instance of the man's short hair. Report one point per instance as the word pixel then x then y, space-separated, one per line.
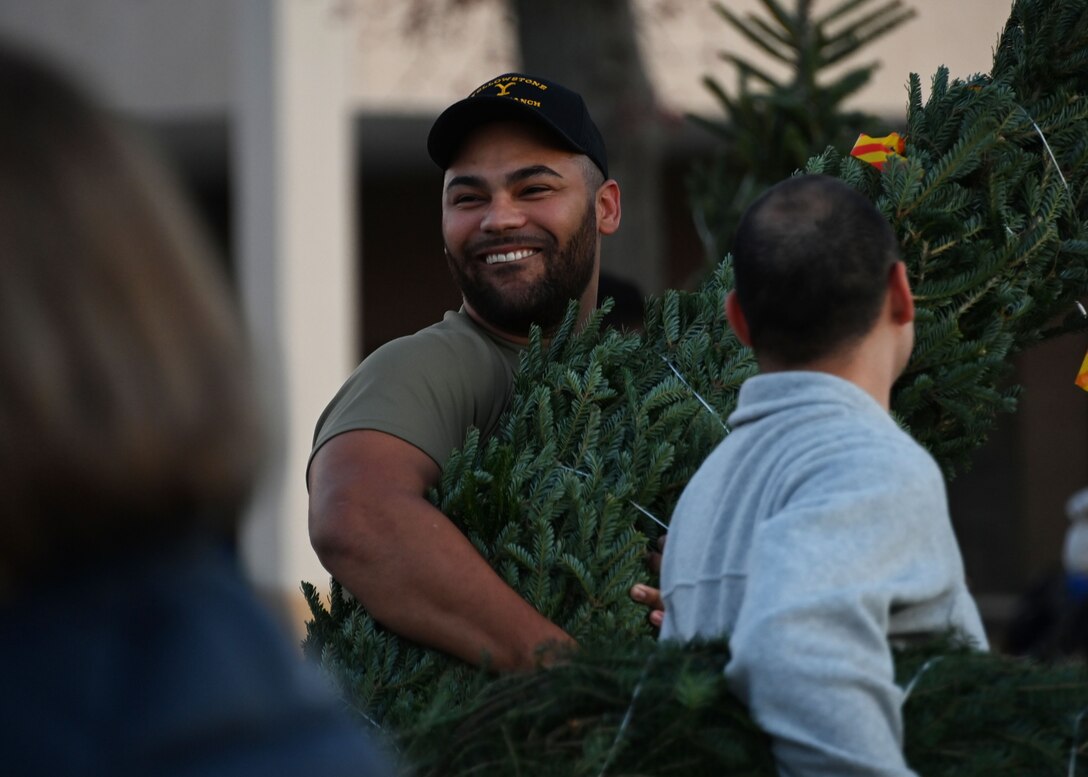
pixel 811 260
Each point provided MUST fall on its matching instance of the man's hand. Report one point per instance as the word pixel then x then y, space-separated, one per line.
pixel 648 595
pixel 651 597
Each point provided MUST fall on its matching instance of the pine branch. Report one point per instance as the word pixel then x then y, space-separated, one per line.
pixel 665 709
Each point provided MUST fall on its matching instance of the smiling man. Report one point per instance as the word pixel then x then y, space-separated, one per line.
pixel 526 199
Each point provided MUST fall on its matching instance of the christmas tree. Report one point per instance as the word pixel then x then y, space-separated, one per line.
pixel 772 125
pixel 606 427
pixel 666 710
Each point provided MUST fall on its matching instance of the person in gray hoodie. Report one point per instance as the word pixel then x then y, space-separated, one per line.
pixel 817 535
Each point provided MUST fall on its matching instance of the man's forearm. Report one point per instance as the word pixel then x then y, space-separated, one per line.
pixel 407 563
pixel 422 579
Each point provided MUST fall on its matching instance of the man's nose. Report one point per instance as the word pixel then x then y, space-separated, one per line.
pixel 502 214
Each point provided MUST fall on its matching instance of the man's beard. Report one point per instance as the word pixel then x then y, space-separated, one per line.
pixel 567 271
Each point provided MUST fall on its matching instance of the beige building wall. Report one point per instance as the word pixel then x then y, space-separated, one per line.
pixel 412 65
pixel 164 57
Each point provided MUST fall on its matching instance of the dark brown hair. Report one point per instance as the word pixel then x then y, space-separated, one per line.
pixel 811 260
pixel 127 410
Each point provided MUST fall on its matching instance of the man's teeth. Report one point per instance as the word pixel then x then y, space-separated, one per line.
pixel 509 256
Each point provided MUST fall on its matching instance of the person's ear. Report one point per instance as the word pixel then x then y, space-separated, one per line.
pixel 608 207
pixel 737 321
pixel 899 294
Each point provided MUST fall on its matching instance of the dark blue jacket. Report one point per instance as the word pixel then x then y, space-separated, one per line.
pixel 164 665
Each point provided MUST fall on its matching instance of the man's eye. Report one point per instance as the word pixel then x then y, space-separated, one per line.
pixel 536 189
pixel 466 199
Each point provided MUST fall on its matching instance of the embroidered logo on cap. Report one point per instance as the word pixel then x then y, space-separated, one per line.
pixel 504 87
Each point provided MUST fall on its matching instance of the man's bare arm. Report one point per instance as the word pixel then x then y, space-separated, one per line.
pixel 413 570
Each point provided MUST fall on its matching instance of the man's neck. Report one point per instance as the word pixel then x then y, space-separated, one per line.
pixel 518 338
pixel 869 372
pixel 483 323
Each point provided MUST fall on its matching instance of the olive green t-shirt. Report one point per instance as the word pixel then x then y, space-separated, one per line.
pixel 428 388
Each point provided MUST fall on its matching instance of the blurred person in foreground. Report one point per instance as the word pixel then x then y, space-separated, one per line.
pixel 816 535
pixel 130 436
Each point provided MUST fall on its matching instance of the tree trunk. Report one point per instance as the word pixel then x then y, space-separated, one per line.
pixel 592 47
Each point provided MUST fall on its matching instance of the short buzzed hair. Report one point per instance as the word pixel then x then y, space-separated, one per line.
pixel 811 260
pixel 592 174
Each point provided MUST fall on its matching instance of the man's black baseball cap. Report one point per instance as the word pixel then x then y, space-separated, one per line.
pixel 522 98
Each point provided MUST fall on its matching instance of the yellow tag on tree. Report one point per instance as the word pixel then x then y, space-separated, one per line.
pixel 876 151
pixel 1082 376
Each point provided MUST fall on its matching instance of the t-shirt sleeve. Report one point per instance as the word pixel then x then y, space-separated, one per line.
pixel 426 390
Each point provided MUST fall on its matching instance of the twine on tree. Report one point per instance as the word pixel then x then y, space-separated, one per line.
pixel 627 715
pixel 1073 749
pixel 1053 159
pixel 696 394
pixel 648 514
pixel 371 721
pixel 918 676
pixel 1049 153
pixel 631 502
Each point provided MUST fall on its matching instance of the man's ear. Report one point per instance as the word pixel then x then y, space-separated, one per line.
pixel 737 321
pixel 608 207
pixel 899 294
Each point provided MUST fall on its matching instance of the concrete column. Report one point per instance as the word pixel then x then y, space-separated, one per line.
pixel 296 259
